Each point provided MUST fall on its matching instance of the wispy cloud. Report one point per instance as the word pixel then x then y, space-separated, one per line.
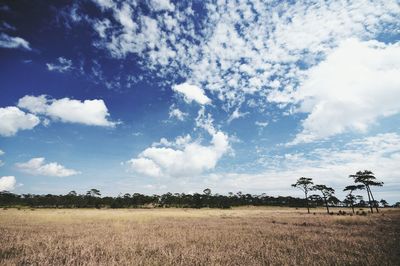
pixel 176 113
pixel 61 65
pixel 9 42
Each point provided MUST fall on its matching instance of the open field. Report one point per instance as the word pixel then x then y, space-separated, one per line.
pixel 240 236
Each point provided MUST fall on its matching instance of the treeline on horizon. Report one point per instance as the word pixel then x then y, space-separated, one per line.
pixel 93 199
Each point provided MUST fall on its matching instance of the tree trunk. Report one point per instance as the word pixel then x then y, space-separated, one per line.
pixel 369 200
pixel 351 202
pixel 373 200
pixel 308 207
pixel 326 204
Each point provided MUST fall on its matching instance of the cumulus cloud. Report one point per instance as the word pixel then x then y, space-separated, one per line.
pixel 9 42
pixel 34 104
pixel 182 157
pixel 37 166
pixel 357 84
pixel 7 183
pixel 62 65
pixel 191 160
pixel 145 167
pixel 13 120
pixel 88 112
pixel 191 93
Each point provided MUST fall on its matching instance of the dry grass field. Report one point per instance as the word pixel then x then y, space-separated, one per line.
pixel 242 236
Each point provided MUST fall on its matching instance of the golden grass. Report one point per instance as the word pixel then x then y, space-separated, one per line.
pixel 241 236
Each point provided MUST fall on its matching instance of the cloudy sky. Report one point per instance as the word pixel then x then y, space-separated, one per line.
pixel 153 96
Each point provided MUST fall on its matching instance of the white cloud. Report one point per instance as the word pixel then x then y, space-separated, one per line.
pixel 176 113
pixel 7 183
pixel 236 114
pixel 183 157
pixel 88 112
pixel 37 166
pixel 192 160
pixel 13 119
pixel 261 124
pixel 34 104
pixel 240 48
pixel 7 41
pixel 357 84
pixel 192 93
pixel 2 152
pixel 145 166
pixel 62 65
pixel 160 5
pixel 105 3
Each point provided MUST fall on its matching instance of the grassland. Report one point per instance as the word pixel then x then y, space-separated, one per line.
pixel 243 236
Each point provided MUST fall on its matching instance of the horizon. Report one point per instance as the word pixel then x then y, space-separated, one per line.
pixel 163 96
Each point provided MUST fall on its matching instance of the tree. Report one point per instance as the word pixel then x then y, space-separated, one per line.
pixel 305 184
pixel 327 192
pixel 316 199
pixel 384 203
pixel 72 193
pixel 368 179
pixel 93 193
pixel 207 192
pixel 350 197
pixel 334 200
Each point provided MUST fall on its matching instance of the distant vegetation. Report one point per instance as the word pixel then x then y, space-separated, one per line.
pixel 364 180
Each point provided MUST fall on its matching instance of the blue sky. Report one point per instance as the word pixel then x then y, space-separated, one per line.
pixel 158 95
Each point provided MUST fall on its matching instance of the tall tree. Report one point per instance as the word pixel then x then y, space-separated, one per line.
pixel 305 184
pixel 384 203
pixel 326 192
pixel 350 197
pixel 368 179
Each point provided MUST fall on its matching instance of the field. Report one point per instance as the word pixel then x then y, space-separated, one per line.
pixel 239 236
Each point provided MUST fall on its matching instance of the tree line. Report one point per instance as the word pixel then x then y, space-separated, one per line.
pixel 94 199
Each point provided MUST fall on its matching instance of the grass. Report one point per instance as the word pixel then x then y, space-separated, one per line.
pixel 240 236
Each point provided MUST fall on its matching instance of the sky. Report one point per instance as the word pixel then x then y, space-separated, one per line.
pixel 154 96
